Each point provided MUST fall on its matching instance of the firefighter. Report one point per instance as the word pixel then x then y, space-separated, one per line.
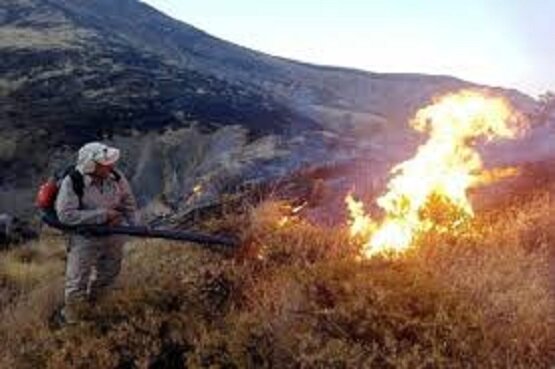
pixel 93 262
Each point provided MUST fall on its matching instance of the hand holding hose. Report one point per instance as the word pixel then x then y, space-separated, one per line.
pixel 115 217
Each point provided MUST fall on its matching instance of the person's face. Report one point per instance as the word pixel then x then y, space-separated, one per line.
pixel 103 171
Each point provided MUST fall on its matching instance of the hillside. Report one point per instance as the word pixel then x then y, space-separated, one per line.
pixel 295 161
pixel 74 71
pixel 299 295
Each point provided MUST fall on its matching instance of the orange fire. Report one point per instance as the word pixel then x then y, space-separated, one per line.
pixel 291 213
pixel 197 189
pixel 442 171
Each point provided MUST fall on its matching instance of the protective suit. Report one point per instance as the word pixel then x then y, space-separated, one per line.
pixel 93 262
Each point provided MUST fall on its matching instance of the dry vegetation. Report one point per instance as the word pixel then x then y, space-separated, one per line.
pixel 65 37
pixel 298 296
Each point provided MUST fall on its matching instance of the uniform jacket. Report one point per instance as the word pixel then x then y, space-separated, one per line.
pixel 99 195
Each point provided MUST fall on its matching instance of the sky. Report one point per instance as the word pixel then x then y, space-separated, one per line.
pixel 508 43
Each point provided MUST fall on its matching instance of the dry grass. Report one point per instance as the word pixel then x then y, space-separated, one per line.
pixel 63 36
pixel 299 296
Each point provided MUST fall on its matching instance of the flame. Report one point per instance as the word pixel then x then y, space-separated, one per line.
pixel 441 172
pixel 195 194
pixel 291 214
pixel 496 174
pixel 296 210
pixel 197 189
pixel 284 220
pixel 361 224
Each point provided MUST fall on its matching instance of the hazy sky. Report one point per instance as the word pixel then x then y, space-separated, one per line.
pixel 508 43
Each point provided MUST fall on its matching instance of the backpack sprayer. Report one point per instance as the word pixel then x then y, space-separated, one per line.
pixel 46 199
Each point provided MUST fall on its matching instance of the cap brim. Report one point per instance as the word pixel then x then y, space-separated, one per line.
pixel 111 157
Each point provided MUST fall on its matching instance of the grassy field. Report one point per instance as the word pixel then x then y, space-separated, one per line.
pixel 299 296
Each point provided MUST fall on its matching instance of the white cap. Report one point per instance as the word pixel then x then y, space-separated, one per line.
pixel 96 153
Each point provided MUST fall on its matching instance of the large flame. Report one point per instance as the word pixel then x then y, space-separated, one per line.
pixel 442 171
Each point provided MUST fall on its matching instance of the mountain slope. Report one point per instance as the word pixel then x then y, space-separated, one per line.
pixel 72 71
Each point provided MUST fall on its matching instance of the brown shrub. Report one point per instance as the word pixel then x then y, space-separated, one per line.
pixel 302 297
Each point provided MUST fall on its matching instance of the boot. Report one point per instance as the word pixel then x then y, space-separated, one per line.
pixel 74 312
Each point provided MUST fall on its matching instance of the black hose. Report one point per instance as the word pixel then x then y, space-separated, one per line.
pixel 137 231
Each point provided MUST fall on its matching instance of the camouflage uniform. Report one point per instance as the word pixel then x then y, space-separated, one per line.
pixel 93 262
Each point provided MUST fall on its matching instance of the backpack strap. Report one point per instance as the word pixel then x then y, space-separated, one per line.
pixel 117 175
pixel 78 185
pixel 78 181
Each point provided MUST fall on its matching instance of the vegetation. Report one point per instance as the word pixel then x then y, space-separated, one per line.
pixel 8 148
pixel 299 296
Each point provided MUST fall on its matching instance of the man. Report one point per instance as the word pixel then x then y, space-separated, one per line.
pixel 93 262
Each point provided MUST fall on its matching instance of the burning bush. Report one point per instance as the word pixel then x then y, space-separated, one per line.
pixel 441 171
pixel 463 290
pixel 306 299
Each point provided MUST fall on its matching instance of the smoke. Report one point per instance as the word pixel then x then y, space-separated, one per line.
pixel 537 146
